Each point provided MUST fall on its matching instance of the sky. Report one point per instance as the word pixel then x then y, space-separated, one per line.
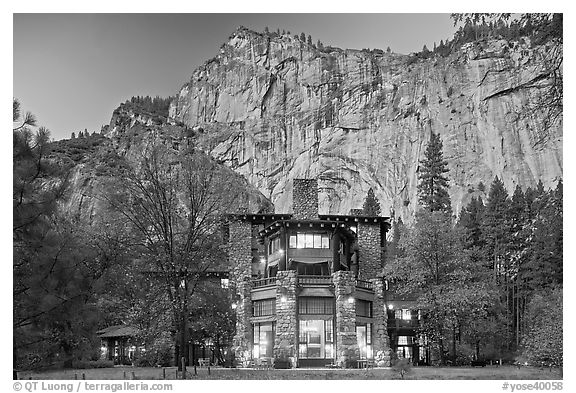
pixel 73 70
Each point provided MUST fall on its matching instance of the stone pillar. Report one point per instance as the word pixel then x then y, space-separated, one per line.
pixel 305 199
pixel 240 257
pixel 243 339
pixel 347 351
pixel 240 250
pixel 286 320
pixel 380 339
pixel 369 249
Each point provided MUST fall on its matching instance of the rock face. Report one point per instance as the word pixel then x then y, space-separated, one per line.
pixel 274 108
pixel 128 136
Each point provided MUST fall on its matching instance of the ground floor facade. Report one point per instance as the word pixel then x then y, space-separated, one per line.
pixel 312 321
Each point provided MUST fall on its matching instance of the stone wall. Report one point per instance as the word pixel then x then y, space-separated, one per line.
pixel 305 199
pixel 347 351
pixel 370 251
pixel 286 323
pixel 380 339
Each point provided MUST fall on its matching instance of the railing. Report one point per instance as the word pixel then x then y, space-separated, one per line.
pixel 365 285
pixel 314 280
pixel 264 282
pixel 403 323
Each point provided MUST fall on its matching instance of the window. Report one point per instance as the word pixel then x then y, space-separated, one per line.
pixel 364 340
pixel 405 340
pixel 274 245
pixel 403 314
pixel 363 308
pixel 316 339
pixel 264 307
pixel 315 305
pixel 225 283
pixel 263 342
pixel 309 240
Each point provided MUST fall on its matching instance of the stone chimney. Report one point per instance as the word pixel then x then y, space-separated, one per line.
pixel 305 199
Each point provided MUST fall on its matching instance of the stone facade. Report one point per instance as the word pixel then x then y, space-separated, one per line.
pixel 370 250
pixel 305 199
pixel 285 342
pixel 347 351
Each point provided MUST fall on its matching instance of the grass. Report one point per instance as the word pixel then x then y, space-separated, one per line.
pixel 420 373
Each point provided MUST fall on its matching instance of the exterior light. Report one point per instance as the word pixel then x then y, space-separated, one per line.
pixel 283 299
pixel 234 305
pixel 390 306
pixel 281 251
pixel 262 260
pixel 350 300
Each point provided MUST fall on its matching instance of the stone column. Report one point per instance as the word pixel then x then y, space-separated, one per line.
pixel 347 351
pixel 370 263
pixel 380 339
pixel 243 339
pixel 240 257
pixel 240 250
pixel 305 199
pixel 286 320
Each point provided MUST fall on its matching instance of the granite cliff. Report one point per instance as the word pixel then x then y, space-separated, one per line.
pixel 274 108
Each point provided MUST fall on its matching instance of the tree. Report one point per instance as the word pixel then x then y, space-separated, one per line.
pixel 309 41
pixel 388 50
pixel 302 37
pixel 73 135
pixel 543 342
pixel 434 269
pixel 371 205
pixel 433 185
pixel 57 259
pixel 173 203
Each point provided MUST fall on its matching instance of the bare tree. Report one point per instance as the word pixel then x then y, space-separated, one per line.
pixel 174 203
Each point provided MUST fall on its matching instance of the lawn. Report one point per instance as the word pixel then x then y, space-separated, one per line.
pixel 425 373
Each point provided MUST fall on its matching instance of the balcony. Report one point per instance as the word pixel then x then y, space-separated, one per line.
pixel 403 323
pixel 314 280
pixel 264 282
pixel 367 285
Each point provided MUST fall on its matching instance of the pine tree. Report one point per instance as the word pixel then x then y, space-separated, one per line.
pixel 388 50
pixel 302 37
pixel 73 136
pixel 371 205
pixel 309 41
pixel 433 185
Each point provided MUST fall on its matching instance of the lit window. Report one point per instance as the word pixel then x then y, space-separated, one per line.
pixel 309 240
pixel 406 314
pixel 301 238
pixel 225 283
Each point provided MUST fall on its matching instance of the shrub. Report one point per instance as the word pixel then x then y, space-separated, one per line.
pixel 402 366
pixel 100 363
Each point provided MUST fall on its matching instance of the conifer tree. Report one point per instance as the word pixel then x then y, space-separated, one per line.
pixel 371 205
pixel 73 136
pixel 433 185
